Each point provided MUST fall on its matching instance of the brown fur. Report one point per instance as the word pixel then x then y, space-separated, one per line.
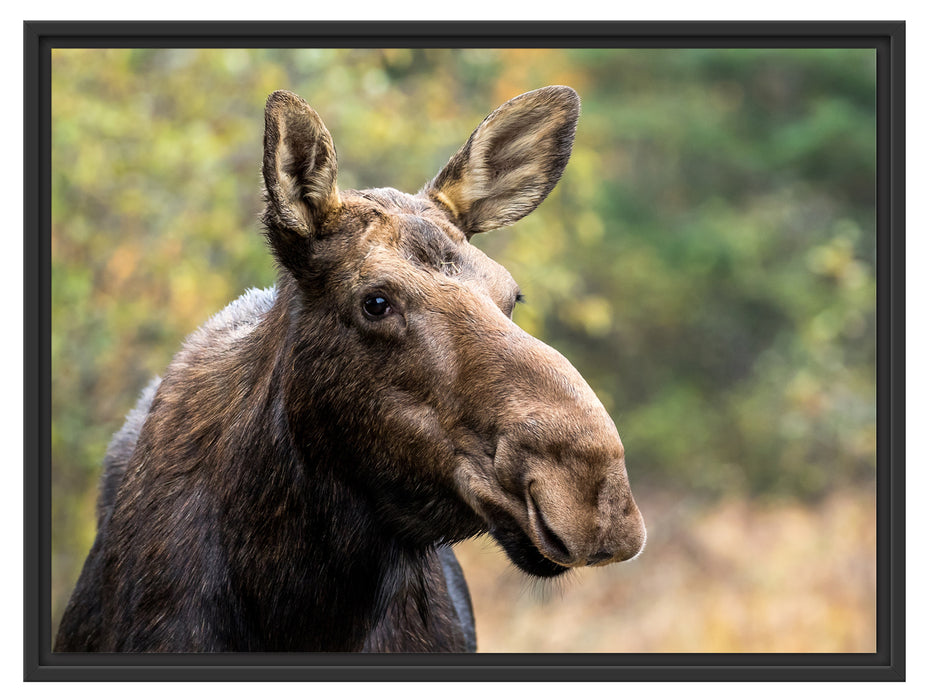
pixel 301 465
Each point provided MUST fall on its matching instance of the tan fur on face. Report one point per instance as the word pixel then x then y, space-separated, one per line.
pixel 490 389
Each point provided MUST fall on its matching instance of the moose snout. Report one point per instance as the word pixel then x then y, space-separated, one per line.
pixel 556 494
pixel 573 528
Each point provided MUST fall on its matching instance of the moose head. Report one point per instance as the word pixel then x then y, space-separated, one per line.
pixel 407 375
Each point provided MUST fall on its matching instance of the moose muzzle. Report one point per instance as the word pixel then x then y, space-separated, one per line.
pixel 576 503
pixel 558 495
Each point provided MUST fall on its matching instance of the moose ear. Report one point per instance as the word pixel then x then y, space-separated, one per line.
pixel 299 166
pixel 511 162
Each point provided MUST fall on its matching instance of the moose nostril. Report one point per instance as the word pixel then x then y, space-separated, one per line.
pixel 550 538
pixel 598 557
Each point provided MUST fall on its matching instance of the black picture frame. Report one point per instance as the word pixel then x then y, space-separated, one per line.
pixel 886 664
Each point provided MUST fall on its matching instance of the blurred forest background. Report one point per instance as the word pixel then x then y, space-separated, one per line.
pixel 707 263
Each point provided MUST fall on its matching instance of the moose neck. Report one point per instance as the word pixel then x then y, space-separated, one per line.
pixel 317 536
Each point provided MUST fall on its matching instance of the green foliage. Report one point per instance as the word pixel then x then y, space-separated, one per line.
pixel 708 261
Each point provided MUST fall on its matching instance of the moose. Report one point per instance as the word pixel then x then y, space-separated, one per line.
pixel 295 479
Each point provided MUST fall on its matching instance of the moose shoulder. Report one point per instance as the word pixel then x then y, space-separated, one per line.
pixel 294 480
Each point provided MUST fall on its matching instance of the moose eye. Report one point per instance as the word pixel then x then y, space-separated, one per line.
pixel 376 306
pixel 518 299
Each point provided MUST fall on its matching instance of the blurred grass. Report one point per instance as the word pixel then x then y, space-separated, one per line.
pixel 741 575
